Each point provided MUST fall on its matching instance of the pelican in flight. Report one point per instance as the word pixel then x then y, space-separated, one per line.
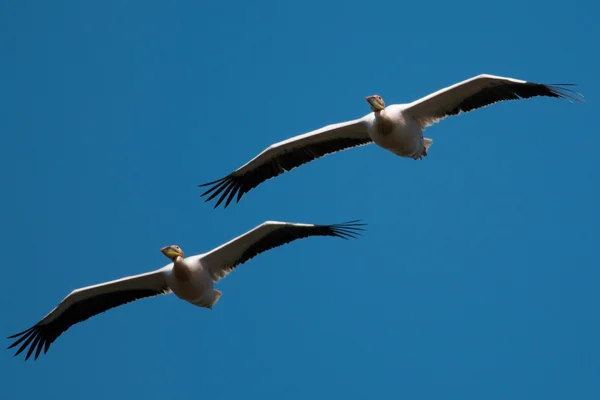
pixel 190 278
pixel 397 128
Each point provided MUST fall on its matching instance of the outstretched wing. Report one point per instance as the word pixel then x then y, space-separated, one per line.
pixel 222 260
pixel 285 156
pixel 84 303
pixel 482 91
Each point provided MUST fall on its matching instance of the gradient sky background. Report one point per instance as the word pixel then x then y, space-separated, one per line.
pixel 477 278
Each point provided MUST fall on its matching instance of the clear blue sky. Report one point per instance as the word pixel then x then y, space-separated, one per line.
pixel 477 278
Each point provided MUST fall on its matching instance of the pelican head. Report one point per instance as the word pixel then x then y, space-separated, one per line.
pixel 172 252
pixel 376 102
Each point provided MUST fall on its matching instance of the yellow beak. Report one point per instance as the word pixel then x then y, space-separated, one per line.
pixel 375 103
pixel 170 252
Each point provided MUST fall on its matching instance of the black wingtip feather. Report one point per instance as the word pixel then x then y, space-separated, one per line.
pixel 347 230
pixel 20 333
pixel 36 338
pixel 213 182
pixel 561 91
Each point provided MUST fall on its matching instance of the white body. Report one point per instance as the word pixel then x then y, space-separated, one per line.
pixel 197 288
pixel 406 140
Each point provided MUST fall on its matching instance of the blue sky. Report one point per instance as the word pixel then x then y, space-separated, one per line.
pixel 477 278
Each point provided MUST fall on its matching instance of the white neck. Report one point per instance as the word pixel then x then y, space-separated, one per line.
pixel 383 122
pixel 180 269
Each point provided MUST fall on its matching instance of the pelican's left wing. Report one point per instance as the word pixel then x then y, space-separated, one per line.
pixel 86 302
pixel 222 260
pixel 481 91
pixel 287 155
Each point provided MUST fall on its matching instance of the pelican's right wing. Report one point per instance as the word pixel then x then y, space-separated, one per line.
pixel 286 155
pixel 84 303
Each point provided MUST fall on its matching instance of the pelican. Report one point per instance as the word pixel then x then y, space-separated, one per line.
pixel 190 278
pixel 397 128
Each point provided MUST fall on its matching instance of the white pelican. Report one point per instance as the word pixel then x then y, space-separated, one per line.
pixel 190 278
pixel 397 128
